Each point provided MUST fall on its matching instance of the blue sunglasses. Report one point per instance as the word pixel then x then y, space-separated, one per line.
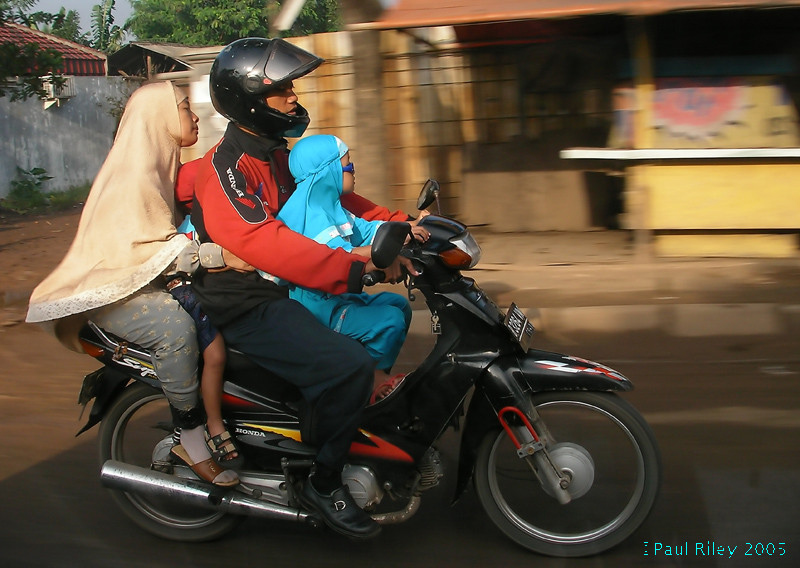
pixel 350 168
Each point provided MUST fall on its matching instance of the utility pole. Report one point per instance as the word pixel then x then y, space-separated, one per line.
pixel 368 91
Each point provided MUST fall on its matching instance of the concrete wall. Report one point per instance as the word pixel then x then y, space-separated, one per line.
pixel 69 140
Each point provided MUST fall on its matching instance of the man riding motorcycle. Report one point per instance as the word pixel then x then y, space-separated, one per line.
pixel 241 185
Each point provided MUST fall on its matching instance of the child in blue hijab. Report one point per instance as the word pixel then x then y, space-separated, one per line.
pixel 322 170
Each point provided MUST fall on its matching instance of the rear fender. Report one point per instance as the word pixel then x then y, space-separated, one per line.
pixel 103 385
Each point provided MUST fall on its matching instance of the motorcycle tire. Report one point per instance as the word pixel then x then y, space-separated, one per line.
pixel 137 429
pixel 607 450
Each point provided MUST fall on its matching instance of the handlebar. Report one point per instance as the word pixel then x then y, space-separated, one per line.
pixel 373 277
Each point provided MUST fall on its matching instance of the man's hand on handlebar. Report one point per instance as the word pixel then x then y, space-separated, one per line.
pixel 394 273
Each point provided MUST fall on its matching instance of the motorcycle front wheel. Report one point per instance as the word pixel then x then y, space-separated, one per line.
pixel 606 449
pixel 137 430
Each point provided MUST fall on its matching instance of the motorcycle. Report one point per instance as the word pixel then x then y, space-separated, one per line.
pixel 560 463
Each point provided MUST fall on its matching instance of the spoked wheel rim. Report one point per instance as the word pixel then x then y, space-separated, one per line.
pixel 617 487
pixel 141 436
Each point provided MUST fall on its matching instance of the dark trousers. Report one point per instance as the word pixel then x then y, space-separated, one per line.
pixel 334 372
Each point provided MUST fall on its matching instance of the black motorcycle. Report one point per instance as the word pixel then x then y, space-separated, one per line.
pixel 560 463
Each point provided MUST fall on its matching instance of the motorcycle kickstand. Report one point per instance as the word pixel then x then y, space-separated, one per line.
pixel 535 453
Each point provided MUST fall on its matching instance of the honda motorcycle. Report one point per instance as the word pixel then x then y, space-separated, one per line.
pixel 559 462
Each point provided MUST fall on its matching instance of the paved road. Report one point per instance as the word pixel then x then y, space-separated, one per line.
pixel 724 410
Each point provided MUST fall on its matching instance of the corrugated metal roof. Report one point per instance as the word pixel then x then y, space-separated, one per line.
pixel 428 13
pixel 143 58
pixel 183 53
pixel 76 59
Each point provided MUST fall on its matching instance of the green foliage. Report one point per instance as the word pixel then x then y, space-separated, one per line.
pixel 106 36
pixel 12 10
pixel 25 62
pixel 212 22
pixel 27 196
pixel 26 191
pixel 317 16
pixel 219 22
pixel 61 200
pixel 29 62
pixel 66 25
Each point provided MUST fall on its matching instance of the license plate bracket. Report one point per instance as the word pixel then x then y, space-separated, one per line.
pixel 516 322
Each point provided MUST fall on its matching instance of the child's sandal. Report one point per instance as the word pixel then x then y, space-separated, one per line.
pixel 222 447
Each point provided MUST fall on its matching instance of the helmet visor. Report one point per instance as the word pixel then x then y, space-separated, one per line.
pixel 280 63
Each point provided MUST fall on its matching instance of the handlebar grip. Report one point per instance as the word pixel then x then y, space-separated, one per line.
pixel 373 277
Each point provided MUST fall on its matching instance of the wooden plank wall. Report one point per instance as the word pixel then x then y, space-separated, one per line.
pixel 427 109
pixel 448 113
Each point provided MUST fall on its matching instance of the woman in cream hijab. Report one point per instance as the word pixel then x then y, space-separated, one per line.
pixel 126 240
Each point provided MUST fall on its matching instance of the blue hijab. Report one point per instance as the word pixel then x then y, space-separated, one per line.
pixel 314 209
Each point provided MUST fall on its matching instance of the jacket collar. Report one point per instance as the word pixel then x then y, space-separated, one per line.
pixel 259 147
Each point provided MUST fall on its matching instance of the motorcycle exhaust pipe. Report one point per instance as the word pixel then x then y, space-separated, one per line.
pixel 151 483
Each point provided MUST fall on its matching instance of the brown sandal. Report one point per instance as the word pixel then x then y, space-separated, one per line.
pixel 208 470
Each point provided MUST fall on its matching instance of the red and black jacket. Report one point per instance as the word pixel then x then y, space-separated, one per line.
pixel 240 185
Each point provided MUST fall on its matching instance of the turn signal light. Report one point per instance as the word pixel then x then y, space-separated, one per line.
pixel 455 258
pixel 91 349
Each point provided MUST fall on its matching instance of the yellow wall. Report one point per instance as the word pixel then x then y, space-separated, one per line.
pixel 723 196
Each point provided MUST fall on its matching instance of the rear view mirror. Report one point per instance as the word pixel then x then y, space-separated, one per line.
pixel 428 194
pixel 389 240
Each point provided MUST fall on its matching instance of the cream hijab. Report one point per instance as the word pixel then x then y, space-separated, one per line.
pixel 126 235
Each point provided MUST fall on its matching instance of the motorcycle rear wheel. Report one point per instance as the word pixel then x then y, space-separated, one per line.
pixel 614 457
pixel 135 424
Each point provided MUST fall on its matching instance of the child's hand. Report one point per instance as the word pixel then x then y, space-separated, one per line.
pixel 420 234
pixel 423 213
pixel 233 262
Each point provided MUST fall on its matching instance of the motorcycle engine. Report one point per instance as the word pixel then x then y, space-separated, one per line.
pixel 363 485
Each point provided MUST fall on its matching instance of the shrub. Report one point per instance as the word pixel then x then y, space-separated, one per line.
pixel 26 194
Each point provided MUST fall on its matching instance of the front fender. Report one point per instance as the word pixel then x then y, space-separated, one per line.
pixel 511 377
pixel 546 371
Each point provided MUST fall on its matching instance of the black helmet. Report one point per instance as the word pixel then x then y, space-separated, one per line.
pixel 243 74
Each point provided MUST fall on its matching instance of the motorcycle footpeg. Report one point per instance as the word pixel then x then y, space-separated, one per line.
pixel 294 465
pixel 253 492
pixel 163 466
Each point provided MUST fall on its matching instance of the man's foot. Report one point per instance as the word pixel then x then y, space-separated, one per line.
pixel 340 512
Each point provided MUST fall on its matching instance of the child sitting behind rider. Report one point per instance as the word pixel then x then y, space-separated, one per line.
pixel 323 171
pixel 209 339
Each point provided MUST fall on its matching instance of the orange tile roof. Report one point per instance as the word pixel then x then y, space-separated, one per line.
pixel 76 59
pixel 427 13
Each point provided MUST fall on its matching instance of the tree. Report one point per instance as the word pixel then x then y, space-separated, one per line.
pixel 23 64
pixel 219 22
pixel 13 10
pixel 106 36
pixel 317 16
pixel 67 25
